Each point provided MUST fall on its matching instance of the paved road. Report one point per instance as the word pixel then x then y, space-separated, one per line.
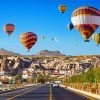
pixel 32 93
pixel 41 93
pixel 63 94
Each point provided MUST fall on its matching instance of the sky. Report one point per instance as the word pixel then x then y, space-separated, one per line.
pixel 43 18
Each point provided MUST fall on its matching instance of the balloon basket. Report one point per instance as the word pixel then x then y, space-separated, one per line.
pixel 86 41
pixel 28 50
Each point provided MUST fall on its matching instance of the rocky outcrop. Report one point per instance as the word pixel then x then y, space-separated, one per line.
pixel 71 65
pixel 6 52
pixel 46 53
pixel 4 63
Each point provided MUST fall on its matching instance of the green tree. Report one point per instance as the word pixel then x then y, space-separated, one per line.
pixel 97 74
pixel 40 79
pixel 47 78
pixel 18 77
pixel 89 76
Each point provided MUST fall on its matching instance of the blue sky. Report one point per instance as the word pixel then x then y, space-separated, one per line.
pixel 43 18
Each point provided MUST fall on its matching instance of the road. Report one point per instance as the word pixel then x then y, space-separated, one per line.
pixel 63 94
pixel 41 93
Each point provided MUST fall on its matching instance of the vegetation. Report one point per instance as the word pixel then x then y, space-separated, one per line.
pixel 18 78
pixel 43 78
pixel 92 75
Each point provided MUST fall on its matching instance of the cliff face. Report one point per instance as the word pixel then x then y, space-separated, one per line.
pixel 15 65
pixel 72 65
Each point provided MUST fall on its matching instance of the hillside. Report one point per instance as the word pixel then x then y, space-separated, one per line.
pixel 6 52
pixel 47 53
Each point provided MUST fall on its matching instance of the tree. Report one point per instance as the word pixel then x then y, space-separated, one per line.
pixel 40 79
pixel 29 80
pixel 89 76
pixel 18 77
pixel 97 74
pixel 47 78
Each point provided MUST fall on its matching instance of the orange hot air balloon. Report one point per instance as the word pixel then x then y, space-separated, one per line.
pixel 28 39
pixel 62 8
pixel 86 20
pixel 9 28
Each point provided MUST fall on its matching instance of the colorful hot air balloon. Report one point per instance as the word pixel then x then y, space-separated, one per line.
pixel 70 26
pixel 62 8
pixel 86 19
pixel 28 39
pixel 96 38
pixel 9 28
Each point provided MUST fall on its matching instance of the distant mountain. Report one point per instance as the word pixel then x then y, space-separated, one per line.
pixel 6 52
pixel 46 53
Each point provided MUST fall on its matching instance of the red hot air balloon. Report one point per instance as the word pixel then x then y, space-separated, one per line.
pixel 86 20
pixel 28 39
pixel 9 28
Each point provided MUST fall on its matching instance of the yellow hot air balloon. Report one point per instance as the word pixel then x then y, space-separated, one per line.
pixel 96 38
pixel 62 8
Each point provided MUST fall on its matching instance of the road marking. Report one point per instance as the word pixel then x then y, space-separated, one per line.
pixel 50 92
pixel 13 91
pixel 21 94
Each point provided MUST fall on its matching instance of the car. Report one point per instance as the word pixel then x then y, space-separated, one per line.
pixel 55 85
pixel 47 83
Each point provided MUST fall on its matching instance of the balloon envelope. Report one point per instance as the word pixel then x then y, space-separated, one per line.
pixel 28 39
pixel 9 28
pixel 70 26
pixel 86 19
pixel 96 38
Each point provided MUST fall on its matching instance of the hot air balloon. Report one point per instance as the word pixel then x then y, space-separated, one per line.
pixel 54 39
pixel 86 20
pixel 62 8
pixel 70 26
pixel 43 37
pixel 96 38
pixel 28 39
pixel 9 28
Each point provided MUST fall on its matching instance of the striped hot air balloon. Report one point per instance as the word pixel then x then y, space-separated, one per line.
pixel 86 19
pixel 9 28
pixel 62 8
pixel 28 39
pixel 96 38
